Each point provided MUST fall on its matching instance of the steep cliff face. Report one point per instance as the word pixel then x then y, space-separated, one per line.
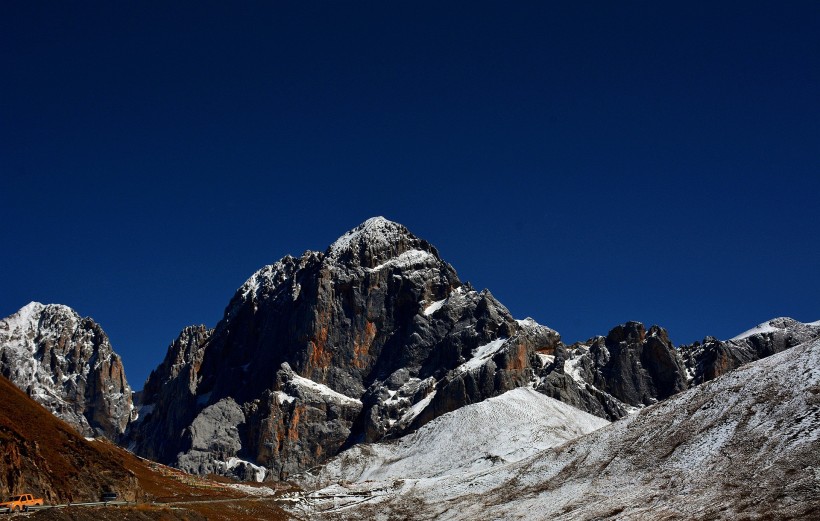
pixel 171 388
pixel 372 338
pixel 66 363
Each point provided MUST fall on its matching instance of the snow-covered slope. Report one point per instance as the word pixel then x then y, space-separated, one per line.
pixel 744 445
pixel 494 432
pixel 66 363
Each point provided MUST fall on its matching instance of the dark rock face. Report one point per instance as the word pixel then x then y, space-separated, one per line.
pixel 66 363
pixel 636 367
pixel 561 386
pixel 711 358
pixel 299 424
pixel 605 376
pixel 371 338
pixel 168 402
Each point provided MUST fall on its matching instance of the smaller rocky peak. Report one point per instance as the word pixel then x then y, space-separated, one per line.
pixel 187 347
pixel 30 317
pixel 784 323
pixel 184 353
pixel 31 307
pixel 272 280
pixel 762 328
pixel 530 324
pixel 67 364
pixel 659 333
pixel 630 332
pixel 378 241
pixel 707 360
pixel 28 313
pixel 269 277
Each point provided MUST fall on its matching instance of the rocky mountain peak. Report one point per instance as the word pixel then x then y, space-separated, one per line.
pixel 66 363
pixel 372 338
pixel 376 242
pixel 630 332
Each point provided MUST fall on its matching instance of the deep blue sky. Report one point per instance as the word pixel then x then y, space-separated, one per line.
pixel 588 162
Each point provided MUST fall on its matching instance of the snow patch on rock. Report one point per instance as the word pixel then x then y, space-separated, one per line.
pixel 435 306
pixel 480 355
pixel 322 389
pixel 406 260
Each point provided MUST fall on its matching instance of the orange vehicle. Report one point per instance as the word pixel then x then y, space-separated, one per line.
pixel 21 503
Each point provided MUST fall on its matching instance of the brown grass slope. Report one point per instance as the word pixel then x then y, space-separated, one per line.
pixel 41 455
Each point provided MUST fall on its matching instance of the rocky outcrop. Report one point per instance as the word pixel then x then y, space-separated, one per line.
pixel 609 376
pixel 633 365
pixel 66 363
pixel 213 438
pixel 172 389
pixel 711 358
pixel 300 423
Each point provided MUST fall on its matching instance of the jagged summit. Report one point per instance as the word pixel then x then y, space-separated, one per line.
pixel 376 232
pixel 66 363
pixel 33 309
pixel 375 245
pixel 378 242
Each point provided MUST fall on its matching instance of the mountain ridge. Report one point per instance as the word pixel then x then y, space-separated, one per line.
pixel 375 337
pixel 741 446
pixel 380 318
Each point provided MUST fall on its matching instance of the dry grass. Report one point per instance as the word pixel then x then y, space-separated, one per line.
pixel 40 454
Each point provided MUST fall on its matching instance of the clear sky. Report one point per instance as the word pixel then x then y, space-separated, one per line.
pixel 588 162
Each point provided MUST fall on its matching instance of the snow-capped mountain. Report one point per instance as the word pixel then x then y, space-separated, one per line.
pixel 743 445
pixel 369 340
pixel 66 363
